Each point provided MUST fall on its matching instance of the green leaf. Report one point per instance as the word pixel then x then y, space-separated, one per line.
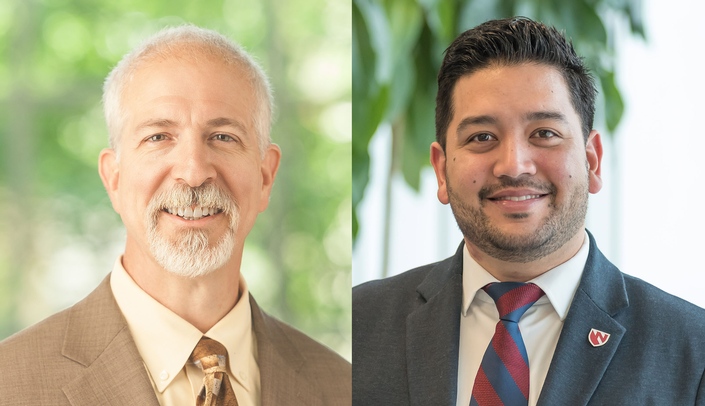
pixel 371 15
pixel 366 118
pixel 420 119
pixel 614 105
pixel 634 12
pixel 442 18
pixel 364 59
pixel 405 20
pixel 588 24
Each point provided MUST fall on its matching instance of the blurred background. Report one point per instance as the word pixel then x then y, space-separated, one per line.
pixel 646 55
pixel 59 235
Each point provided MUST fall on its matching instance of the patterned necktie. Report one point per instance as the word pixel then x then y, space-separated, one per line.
pixel 212 357
pixel 503 377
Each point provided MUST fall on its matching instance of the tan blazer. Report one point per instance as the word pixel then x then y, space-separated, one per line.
pixel 85 356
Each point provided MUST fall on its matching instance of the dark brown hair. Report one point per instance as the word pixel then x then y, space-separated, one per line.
pixel 513 41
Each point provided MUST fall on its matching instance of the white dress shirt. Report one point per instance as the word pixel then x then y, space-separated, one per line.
pixel 165 342
pixel 540 326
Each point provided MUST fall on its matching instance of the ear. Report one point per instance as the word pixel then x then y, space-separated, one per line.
pixel 438 160
pixel 269 167
pixel 110 174
pixel 593 150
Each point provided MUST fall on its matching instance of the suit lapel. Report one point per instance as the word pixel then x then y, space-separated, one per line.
pixel 280 364
pixel 432 347
pixel 577 366
pixel 98 338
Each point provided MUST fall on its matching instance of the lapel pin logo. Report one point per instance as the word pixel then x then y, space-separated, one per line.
pixel 598 338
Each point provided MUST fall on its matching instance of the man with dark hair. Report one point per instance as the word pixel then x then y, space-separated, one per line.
pixel 528 311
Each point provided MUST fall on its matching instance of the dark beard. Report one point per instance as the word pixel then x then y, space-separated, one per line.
pixel 561 224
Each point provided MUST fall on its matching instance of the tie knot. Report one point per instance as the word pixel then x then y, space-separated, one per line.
pixel 513 299
pixel 209 354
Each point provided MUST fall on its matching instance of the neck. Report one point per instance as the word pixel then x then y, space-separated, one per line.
pixel 201 301
pixel 506 271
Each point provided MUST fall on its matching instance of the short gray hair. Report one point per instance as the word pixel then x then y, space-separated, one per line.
pixel 171 40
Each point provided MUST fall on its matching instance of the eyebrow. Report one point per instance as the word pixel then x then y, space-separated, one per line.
pixel 214 122
pixel 225 122
pixel 546 115
pixel 490 120
pixel 475 120
pixel 157 122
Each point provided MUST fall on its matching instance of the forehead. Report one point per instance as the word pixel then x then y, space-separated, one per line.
pixel 192 83
pixel 508 89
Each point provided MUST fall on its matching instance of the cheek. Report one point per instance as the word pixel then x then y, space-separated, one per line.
pixel 568 176
pixel 468 176
pixel 243 183
pixel 138 189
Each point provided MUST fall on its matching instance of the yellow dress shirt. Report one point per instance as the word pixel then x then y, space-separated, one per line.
pixel 165 341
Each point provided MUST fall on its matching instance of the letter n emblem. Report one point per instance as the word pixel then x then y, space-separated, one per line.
pixel 598 338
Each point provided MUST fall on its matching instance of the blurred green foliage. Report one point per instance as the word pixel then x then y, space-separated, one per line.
pixel 398 47
pixel 58 233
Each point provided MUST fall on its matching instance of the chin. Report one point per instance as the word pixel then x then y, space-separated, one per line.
pixel 193 255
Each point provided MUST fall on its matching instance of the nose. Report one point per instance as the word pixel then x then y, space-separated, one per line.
pixel 192 162
pixel 515 158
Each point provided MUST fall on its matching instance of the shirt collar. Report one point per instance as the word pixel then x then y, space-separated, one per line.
pixel 165 340
pixel 559 284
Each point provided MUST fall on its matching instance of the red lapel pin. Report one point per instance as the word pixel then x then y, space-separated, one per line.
pixel 598 338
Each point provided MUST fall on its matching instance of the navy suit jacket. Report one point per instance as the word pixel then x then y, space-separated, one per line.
pixel 406 332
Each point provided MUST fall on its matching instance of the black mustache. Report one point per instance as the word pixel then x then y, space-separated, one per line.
pixel 505 183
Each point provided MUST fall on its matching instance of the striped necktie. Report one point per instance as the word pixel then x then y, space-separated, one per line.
pixel 503 377
pixel 212 357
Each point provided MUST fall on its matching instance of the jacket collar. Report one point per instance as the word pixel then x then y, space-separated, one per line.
pixel 433 331
pixel 432 335
pixel 280 363
pixel 97 337
pixel 577 364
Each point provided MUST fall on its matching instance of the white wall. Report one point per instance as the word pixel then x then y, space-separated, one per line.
pixel 660 145
pixel 647 217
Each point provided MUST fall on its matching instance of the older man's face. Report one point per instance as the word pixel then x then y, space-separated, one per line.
pixel 191 178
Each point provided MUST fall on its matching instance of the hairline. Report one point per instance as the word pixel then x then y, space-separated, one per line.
pixel 495 42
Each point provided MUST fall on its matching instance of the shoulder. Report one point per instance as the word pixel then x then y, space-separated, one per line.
pixel 381 308
pixel 37 340
pixel 381 288
pixel 398 287
pixel 34 354
pixel 385 303
pixel 653 305
pixel 643 309
pixel 39 353
pixel 316 354
pixel 390 300
pixel 664 340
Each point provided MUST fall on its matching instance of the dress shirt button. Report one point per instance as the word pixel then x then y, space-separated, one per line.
pixel 164 375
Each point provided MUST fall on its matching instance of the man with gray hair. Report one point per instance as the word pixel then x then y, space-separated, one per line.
pixel 189 168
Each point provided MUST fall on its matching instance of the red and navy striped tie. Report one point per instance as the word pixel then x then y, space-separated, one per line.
pixel 503 377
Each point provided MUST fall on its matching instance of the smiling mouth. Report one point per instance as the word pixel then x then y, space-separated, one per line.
pixel 516 198
pixel 196 213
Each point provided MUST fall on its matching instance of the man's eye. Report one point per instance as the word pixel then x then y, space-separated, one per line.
pixel 546 134
pixel 157 137
pixel 482 137
pixel 223 137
